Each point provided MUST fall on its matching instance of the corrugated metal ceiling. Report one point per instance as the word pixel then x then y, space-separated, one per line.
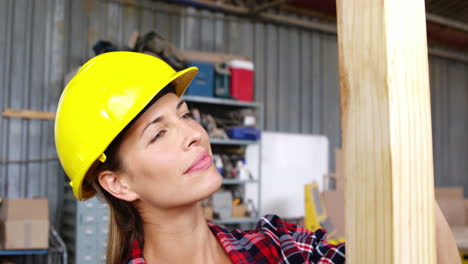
pixel 442 15
pixel 452 9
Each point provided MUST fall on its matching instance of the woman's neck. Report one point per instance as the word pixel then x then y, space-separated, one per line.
pixel 180 236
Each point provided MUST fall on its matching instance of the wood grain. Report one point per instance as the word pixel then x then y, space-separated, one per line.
pixel 387 140
pixel 28 114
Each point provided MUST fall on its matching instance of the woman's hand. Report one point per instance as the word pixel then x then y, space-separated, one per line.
pixel 447 251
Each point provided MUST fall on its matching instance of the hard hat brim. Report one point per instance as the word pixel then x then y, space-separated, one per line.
pixel 182 79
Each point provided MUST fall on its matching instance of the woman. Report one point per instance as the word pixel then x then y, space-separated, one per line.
pixel 123 132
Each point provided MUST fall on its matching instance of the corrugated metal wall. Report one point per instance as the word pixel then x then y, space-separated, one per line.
pixel 449 98
pixel 31 68
pixel 296 78
pixel 296 70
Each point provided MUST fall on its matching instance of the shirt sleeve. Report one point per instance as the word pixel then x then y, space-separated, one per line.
pixel 300 244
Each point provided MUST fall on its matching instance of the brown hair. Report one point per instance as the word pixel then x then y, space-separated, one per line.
pixel 125 223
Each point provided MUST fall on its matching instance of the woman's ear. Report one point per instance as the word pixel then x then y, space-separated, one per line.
pixel 116 185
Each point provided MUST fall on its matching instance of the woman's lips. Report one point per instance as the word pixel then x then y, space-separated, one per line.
pixel 203 162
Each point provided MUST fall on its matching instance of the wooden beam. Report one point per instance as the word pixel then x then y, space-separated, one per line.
pixel 448 54
pixel 28 114
pixel 268 5
pixel 387 139
pixel 222 6
pixel 288 20
pixel 447 22
pixel 308 13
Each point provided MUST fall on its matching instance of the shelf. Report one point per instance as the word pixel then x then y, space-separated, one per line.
pixel 214 105
pixel 218 101
pixel 217 141
pixel 236 181
pixel 228 221
pixel 23 252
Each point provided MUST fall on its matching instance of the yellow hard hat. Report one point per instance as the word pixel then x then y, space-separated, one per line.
pixel 101 100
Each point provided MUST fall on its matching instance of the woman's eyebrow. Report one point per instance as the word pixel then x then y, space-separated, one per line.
pixel 160 118
pixel 180 104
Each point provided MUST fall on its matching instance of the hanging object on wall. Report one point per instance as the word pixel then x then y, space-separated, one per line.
pixel 154 44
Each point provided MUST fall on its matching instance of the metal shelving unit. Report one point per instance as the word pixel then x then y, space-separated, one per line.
pixel 235 181
pixel 217 141
pixel 233 104
pixel 55 254
pixel 23 252
pixel 84 229
pixel 218 101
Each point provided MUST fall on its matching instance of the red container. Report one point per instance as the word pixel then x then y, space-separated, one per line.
pixel 242 76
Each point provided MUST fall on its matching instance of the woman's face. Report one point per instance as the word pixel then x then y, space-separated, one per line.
pixel 166 156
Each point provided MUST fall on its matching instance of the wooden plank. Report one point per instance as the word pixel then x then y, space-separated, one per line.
pixel 28 114
pixel 387 140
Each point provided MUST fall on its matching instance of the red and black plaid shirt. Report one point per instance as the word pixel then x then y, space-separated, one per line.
pixel 274 241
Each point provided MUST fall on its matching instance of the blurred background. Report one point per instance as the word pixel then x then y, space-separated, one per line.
pixel 268 84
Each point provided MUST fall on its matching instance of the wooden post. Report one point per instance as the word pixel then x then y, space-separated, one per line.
pixel 387 139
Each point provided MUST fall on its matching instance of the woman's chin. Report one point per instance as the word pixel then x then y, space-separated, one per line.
pixel 212 184
pixel 215 182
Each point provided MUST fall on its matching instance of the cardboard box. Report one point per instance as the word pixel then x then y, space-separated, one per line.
pixel 452 205
pixel 239 211
pixel 334 204
pixel 449 193
pixel 24 224
pixel 454 211
pixel 339 170
pixel 208 211
pixel 465 202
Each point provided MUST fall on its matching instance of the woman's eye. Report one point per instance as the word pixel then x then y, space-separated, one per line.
pixel 187 116
pixel 158 136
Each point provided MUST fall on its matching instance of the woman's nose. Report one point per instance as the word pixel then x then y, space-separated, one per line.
pixel 192 137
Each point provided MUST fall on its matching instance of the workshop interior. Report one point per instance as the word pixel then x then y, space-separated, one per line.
pixel 272 93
